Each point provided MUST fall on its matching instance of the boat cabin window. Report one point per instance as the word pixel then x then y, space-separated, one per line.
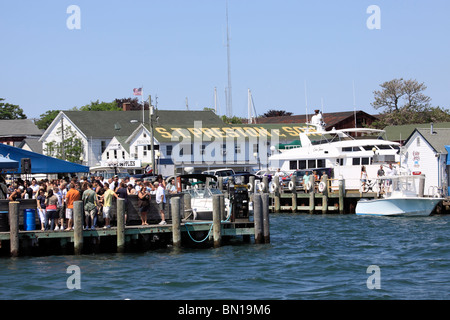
pixel 362 161
pixel 350 149
pixel 307 164
pixel 368 148
pixel 384 147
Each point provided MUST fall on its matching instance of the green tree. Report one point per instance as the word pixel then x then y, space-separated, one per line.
pixel 232 120
pixel 10 111
pixel 276 113
pixel 73 146
pixel 404 102
pixel 47 118
pixel 100 106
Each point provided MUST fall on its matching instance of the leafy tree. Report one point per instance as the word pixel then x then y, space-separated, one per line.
pixel 276 113
pixel 73 146
pixel 404 102
pixel 100 106
pixel 135 104
pixel 232 120
pixel 10 111
pixel 46 119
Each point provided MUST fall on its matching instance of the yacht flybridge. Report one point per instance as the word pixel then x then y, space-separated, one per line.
pixel 345 151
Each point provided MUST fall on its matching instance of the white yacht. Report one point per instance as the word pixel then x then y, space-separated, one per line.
pixel 345 151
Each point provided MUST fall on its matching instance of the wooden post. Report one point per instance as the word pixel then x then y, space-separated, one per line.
pixel 217 232
pixel 220 183
pixel 421 185
pixel 251 181
pixel 120 225
pixel 265 215
pixel 257 218
pixel 176 221
pixel 325 195
pixel 78 226
pixel 223 209
pixel 14 228
pixel 187 204
pixel 276 194
pixel 265 181
pixel 294 193
pixel 341 195
pixel 311 202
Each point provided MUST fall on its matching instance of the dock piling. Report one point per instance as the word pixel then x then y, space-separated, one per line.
pixel 258 218
pixel 294 193
pixel 341 195
pixel 265 198
pixel 120 225
pixel 14 228
pixel 276 195
pixel 176 221
pixel 78 226
pixel 325 195
pixel 217 228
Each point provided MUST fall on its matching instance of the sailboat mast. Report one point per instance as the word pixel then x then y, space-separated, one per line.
pixel 229 100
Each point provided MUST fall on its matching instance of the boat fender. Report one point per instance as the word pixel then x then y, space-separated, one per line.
pixel 250 187
pixel 322 186
pixel 291 185
pixel 308 185
pixel 272 187
pixel 437 195
pixel 261 187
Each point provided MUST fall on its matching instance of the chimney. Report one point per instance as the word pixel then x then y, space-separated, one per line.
pixel 432 129
pixel 126 106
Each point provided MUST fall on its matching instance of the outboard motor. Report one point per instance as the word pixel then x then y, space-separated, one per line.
pixel 239 201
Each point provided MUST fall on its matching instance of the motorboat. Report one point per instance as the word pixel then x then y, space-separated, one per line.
pixel 344 150
pixel 399 198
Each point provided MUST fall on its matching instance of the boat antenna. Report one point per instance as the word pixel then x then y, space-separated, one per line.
pixel 354 102
pixel 229 100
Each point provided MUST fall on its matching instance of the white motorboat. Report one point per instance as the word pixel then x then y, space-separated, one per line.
pixel 202 202
pixel 345 151
pixel 400 199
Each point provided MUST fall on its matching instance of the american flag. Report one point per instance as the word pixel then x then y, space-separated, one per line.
pixel 137 92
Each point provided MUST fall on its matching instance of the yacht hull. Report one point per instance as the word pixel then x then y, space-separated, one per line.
pixel 415 207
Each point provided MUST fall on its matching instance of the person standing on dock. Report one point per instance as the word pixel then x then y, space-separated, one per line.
pixel 40 200
pixel 143 204
pixel 72 195
pixel 363 177
pixel 107 202
pixel 160 200
pixel 90 206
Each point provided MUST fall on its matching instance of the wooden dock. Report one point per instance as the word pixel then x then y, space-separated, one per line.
pixel 122 238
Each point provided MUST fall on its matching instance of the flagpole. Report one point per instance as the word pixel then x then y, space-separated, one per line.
pixel 143 105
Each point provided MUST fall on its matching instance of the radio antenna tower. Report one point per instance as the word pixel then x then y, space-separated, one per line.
pixel 229 100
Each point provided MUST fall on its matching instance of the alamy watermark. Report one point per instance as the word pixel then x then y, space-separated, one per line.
pixel 374 21
pixel 73 22
pixel 374 280
pixel 74 280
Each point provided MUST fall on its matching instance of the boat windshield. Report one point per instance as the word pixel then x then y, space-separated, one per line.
pixel 203 193
pixel 346 135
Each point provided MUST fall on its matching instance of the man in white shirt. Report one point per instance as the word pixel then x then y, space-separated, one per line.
pixel 160 200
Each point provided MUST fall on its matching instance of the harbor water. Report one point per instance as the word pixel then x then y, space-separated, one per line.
pixel 310 257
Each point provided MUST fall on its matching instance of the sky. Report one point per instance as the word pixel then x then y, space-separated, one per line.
pixel 293 55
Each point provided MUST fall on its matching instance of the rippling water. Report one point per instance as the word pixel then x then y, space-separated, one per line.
pixel 309 257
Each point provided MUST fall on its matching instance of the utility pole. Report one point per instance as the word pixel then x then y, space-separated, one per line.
pixel 152 150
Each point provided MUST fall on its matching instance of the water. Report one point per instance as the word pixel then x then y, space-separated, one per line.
pixel 309 257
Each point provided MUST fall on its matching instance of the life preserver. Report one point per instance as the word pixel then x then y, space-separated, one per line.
pixel 322 186
pixel 291 185
pixel 308 185
pixel 364 188
pixel 250 187
pixel 272 187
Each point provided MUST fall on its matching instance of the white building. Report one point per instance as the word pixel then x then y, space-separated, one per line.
pixel 426 153
pixel 181 139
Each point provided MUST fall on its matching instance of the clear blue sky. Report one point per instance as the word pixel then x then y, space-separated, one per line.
pixel 176 49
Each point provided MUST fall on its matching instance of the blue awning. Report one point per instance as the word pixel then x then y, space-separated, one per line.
pixel 39 162
pixel 6 163
pixel 448 153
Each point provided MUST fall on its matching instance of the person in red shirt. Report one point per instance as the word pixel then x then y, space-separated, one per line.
pixel 71 196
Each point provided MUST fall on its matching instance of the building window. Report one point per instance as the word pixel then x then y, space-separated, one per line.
pixel 168 151
pixel 237 148
pixel 103 146
pixel 418 141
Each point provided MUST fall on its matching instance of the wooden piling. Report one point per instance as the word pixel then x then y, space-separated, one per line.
pixel 120 225
pixel 421 185
pixel 78 226
pixel 217 228
pixel 14 228
pixel 341 195
pixel 176 221
pixel 220 183
pixel 223 209
pixel 265 200
pixel 258 218
pixel 276 195
pixel 187 205
pixel 311 202
pixel 265 181
pixel 294 193
pixel 325 195
pixel 251 181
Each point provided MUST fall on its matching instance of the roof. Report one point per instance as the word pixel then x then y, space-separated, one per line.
pixel 330 118
pixel 401 133
pixel 19 127
pixel 438 139
pixel 34 144
pixel 101 124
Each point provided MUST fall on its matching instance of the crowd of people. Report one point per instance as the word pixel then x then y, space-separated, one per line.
pixel 55 198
